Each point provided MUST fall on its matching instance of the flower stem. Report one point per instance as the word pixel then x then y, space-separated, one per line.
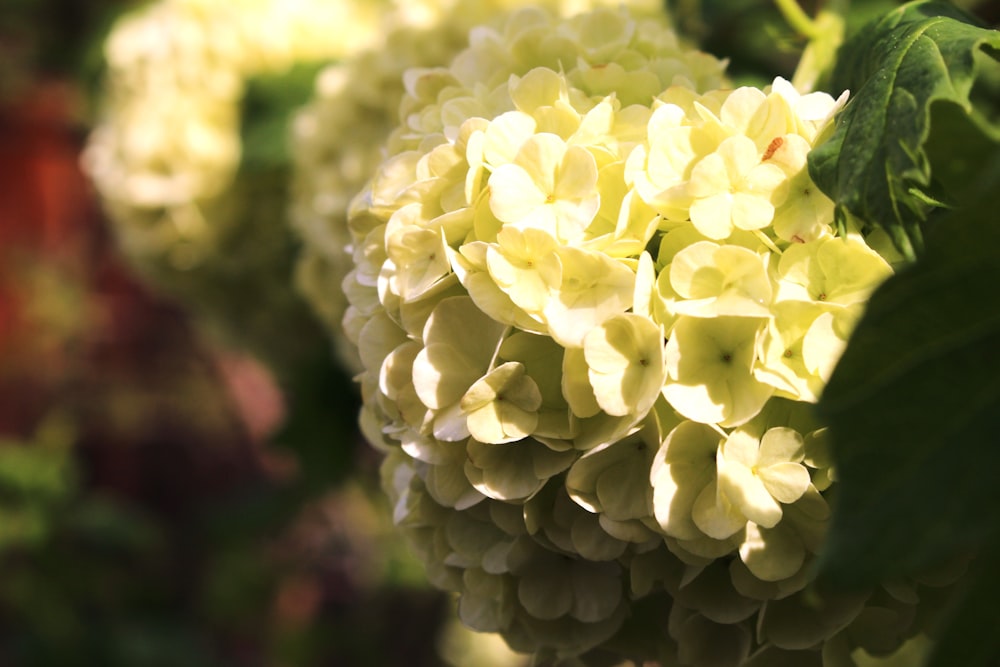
pixel 797 18
pixel 820 54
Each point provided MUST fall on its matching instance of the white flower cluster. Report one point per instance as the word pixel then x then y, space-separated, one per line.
pixel 594 295
pixel 338 138
pixel 177 69
pixel 166 154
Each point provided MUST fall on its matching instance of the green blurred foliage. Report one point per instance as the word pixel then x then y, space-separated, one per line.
pixel 753 34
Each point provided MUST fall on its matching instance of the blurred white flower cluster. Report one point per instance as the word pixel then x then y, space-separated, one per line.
pixel 170 136
pixel 594 293
pixel 166 155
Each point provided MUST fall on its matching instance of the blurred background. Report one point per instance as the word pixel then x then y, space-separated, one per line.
pixel 162 500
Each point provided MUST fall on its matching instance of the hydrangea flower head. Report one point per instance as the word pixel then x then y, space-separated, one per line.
pixel 593 307
pixel 338 138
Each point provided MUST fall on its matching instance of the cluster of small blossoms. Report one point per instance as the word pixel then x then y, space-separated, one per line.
pixel 594 295
pixel 166 153
pixel 338 138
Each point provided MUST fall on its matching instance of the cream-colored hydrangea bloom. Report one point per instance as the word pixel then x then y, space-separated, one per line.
pixel 338 137
pixel 592 310
pixel 167 155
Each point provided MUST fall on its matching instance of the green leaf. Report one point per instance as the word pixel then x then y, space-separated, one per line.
pixel 913 404
pixel 875 166
pixel 964 639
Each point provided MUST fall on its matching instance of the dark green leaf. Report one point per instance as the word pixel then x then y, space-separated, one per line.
pixel 912 407
pixel 969 637
pixel 875 166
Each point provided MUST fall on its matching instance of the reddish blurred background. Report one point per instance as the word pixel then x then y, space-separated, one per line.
pixel 162 501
